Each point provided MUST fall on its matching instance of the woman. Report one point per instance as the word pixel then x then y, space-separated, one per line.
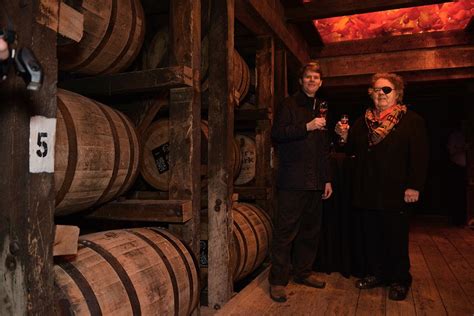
pixel 391 156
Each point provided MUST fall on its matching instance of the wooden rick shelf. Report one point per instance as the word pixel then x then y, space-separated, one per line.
pixel 169 211
pixel 131 82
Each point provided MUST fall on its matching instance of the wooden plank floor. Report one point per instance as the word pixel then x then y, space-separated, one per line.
pixel 442 265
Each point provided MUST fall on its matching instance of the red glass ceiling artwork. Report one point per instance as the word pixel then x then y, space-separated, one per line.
pixel 429 18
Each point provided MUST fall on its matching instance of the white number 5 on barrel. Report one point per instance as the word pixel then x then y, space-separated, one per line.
pixel 42 139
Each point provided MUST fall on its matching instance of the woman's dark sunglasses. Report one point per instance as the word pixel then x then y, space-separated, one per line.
pixel 385 90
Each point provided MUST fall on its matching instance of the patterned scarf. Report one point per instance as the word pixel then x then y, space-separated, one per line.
pixel 380 128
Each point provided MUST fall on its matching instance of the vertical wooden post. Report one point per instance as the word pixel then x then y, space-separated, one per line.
pixel 281 82
pixel 221 129
pixel 26 199
pixel 281 91
pixel 185 115
pixel 265 83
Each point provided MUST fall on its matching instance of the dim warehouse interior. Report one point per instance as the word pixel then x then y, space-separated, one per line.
pixel 139 170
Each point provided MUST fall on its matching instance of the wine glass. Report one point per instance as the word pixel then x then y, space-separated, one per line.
pixel 323 111
pixel 344 125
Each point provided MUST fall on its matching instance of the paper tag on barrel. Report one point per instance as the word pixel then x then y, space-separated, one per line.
pixel 42 140
pixel 161 155
pixel 248 151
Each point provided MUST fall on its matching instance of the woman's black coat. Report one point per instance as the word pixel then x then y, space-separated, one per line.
pixel 384 171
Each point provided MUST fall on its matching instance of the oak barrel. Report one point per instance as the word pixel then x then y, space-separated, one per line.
pixel 156 50
pixel 241 77
pixel 252 236
pixel 96 153
pixel 248 152
pixel 241 74
pixel 140 271
pixel 113 35
pixel 252 233
pixel 154 164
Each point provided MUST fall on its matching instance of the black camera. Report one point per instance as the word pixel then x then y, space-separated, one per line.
pixel 24 61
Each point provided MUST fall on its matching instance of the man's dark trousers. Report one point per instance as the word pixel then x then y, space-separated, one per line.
pixel 297 226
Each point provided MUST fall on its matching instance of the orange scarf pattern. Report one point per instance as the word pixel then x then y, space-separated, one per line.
pixel 380 128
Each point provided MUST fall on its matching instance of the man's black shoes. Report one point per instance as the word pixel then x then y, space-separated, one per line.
pixel 311 281
pixel 369 282
pixel 278 293
pixel 398 292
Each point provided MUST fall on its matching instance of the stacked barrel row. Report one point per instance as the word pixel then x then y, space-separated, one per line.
pixel 112 37
pixel 154 166
pixel 155 56
pixel 141 271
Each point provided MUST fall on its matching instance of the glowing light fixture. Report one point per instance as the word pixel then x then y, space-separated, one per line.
pixel 429 18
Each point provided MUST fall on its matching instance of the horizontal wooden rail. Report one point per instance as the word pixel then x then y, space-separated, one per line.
pixel 131 82
pixel 169 211
pixel 252 193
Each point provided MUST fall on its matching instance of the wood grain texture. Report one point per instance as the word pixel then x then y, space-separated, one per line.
pixel 140 271
pixel 430 293
pixel 329 8
pixel 113 35
pixel 131 82
pixel 453 297
pixel 71 23
pixel 26 200
pixel 65 240
pixel 167 211
pixel 461 269
pixel 97 153
pixel 265 67
pixel 270 17
pixel 221 129
pixel 185 117
pixel 411 60
pixel 386 44
pixel 442 74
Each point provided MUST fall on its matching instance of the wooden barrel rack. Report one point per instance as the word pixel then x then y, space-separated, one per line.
pixel 140 271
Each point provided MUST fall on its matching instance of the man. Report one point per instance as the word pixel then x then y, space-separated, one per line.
pixel 303 181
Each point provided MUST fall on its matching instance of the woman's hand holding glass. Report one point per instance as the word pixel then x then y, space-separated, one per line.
pixel 342 129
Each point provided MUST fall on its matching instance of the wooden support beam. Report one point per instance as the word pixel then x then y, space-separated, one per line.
pixel 408 76
pixel 26 198
pixel 269 18
pixel 250 19
pixel 148 195
pixel 71 22
pixel 443 58
pixel 280 73
pixel 329 8
pixel 150 112
pixel 394 43
pixel 253 193
pixel 265 65
pixel 168 211
pixel 221 131
pixel 131 82
pixel 185 117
